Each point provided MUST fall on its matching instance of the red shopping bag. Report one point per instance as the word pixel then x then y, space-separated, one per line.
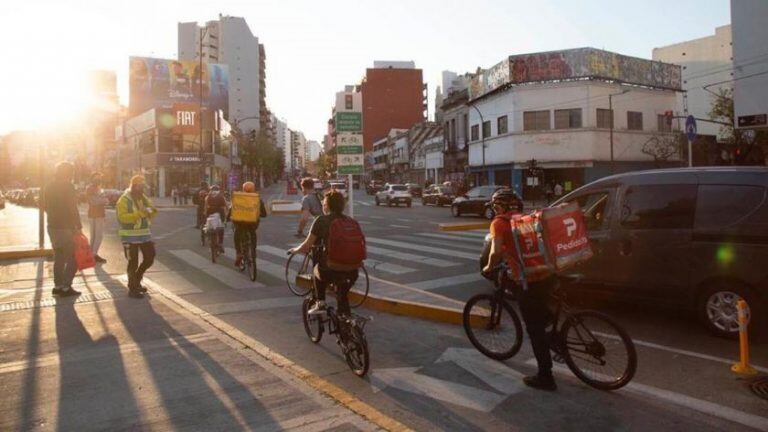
pixel 83 254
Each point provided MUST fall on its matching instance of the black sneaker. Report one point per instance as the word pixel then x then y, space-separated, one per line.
pixel 540 382
pixel 141 288
pixel 69 292
pixel 99 259
pixel 135 294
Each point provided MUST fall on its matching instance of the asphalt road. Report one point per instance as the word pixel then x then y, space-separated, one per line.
pixel 427 375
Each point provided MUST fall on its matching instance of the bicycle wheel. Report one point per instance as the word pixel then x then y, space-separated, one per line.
pixel 493 327
pixel 301 267
pixel 313 324
pixel 361 288
pixel 252 268
pixel 214 247
pixel 356 352
pixel 202 236
pixel 598 351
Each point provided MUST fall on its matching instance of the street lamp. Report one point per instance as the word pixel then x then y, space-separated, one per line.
pixel 610 109
pixel 482 133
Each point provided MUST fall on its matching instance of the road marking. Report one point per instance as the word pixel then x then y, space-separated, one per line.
pixel 274 270
pixel 478 234
pixel 174 232
pixel 447 281
pixel 374 264
pixel 705 407
pixel 367 204
pixel 363 222
pixel 252 305
pixel 472 240
pixel 436 251
pixel 495 374
pixel 376 217
pixel 405 256
pixel 405 220
pixel 448 244
pixel 229 277
pixel 399 226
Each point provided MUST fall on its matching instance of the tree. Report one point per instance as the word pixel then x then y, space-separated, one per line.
pixel 259 153
pixel 326 163
pixel 662 147
pixel 748 148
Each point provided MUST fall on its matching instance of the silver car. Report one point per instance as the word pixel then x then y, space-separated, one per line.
pixel 394 194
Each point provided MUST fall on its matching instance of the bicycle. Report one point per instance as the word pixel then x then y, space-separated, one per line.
pixel 213 240
pixel 349 330
pixel 248 249
pixel 299 278
pixel 581 339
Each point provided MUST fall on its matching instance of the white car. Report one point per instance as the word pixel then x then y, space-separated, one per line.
pixel 394 194
pixel 341 187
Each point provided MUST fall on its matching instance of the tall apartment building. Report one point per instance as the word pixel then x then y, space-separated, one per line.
pixel 393 97
pixel 704 61
pixel 298 152
pixel 230 41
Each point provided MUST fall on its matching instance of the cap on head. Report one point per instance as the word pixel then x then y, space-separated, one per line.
pixel 249 186
pixel 215 188
pixel 138 180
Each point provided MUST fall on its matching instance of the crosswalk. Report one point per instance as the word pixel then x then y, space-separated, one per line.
pixel 423 260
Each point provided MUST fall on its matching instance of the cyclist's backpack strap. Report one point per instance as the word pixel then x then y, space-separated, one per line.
pixel 346 245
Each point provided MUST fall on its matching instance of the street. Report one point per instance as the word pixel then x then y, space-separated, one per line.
pixel 425 375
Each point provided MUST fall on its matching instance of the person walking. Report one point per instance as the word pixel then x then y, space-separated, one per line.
pixel 558 190
pixel 548 192
pixel 134 214
pixel 96 213
pixel 311 205
pixel 60 200
pixel 175 195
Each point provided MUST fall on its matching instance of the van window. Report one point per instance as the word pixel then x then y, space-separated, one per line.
pixel 593 206
pixel 719 206
pixel 658 206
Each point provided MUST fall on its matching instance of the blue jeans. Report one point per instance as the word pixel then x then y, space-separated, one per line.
pixel 64 264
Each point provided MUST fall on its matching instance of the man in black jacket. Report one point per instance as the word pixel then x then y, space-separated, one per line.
pixel 60 200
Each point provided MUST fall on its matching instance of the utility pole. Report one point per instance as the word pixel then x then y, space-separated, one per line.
pixel 610 109
pixel 482 134
pixel 203 31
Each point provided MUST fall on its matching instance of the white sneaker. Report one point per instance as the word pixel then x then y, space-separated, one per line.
pixel 317 309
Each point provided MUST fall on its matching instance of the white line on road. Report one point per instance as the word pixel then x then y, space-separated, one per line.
pixel 409 257
pixel 367 204
pixel 227 276
pixel 168 234
pixel 447 281
pixel 477 234
pixel 274 270
pixel 376 217
pixel 436 251
pixel 473 240
pixel 399 226
pixel 370 263
pixel 449 244
pixel 405 220
pixel 363 222
pixel 251 305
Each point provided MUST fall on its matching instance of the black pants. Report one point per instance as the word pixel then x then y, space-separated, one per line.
pixel 537 316
pixel 136 271
pixel 242 232
pixel 343 282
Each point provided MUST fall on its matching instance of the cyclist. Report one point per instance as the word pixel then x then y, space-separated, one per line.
pixel 215 203
pixel 311 204
pixel 199 199
pixel 533 301
pixel 243 229
pixel 317 243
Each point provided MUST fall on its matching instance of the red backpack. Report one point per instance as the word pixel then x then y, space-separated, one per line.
pixel 346 245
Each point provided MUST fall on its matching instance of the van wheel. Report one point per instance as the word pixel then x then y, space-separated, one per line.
pixel 716 308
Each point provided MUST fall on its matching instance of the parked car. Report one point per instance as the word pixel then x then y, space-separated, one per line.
pixel 394 194
pixel 414 189
pixel 341 187
pixel 437 195
pixel 690 238
pixel 374 186
pixel 474 202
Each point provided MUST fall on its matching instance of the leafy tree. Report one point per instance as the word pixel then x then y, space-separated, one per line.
pixel 260 155
pixel 749 149
pixel 326 164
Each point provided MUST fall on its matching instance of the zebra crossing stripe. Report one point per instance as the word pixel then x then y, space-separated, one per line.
pixel 405 256
pixel 447 281
pixel 371 264
pixel 473 240
pixel 274 270
pixel 434 250
pixel 367 204
pixel 476 234
pixel 227 276
pixel 252 305
pixel 448 244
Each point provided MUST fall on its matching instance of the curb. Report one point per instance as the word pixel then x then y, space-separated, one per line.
pixel 463 226
pixel 409 309
pixel 26 253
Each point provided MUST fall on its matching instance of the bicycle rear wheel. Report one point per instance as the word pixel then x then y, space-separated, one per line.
pixel 313 324
pixel 492 326
pixel 356 352
pixel 214 247
pixel 298 274
pixel 598 351
pixel 361 288
pixel 252 268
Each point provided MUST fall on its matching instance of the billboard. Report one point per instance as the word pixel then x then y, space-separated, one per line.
pixel 161 83
pixel 750 78
pixel 574 64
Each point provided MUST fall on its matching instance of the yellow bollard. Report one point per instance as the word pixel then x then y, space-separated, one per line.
pixel 743 367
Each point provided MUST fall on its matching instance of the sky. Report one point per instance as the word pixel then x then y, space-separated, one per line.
pixel 315 47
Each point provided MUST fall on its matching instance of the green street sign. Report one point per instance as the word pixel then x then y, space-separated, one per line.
pixel 349 122
pixel 351 169
pixel 349 149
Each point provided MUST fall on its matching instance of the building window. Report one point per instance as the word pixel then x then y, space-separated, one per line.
pixel 568 118
pixel 663 125
pixel 536 120
pixel 501 125
pixel 604 118
pixel 634 120
pixel 465 128
pixel 453 132
pixel 486 129
pixel 447 134
pixel 475 132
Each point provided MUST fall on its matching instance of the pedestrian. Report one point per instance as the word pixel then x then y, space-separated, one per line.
pixel 60 201
pixel 548 192
pixel 134 213
pixel 96 203
pixel 558 190
pixel 175 195
pixel 199 200
pixel 311 205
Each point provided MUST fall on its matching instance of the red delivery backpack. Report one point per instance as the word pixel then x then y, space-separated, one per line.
pixel 529 249
pixel 346 245
pixel 565 235
pixel 83 254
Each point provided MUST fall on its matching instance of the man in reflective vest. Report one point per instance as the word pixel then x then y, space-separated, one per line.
pixel 134 215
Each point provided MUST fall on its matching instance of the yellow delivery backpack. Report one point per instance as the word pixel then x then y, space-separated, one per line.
pixel 245 207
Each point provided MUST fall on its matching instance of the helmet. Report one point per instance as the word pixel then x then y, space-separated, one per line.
pixel 249 186
pixel 215 188
pixel 506 198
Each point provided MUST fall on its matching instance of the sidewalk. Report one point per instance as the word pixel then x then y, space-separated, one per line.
pixel 104 361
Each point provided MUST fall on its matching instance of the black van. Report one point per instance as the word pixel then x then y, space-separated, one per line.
pixel 692 237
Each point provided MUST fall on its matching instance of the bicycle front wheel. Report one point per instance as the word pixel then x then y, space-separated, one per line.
pixel 298 274
pixel 313 324
pixel 598 351
pixel 492 326
pixel 360 288
pixel 356 352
